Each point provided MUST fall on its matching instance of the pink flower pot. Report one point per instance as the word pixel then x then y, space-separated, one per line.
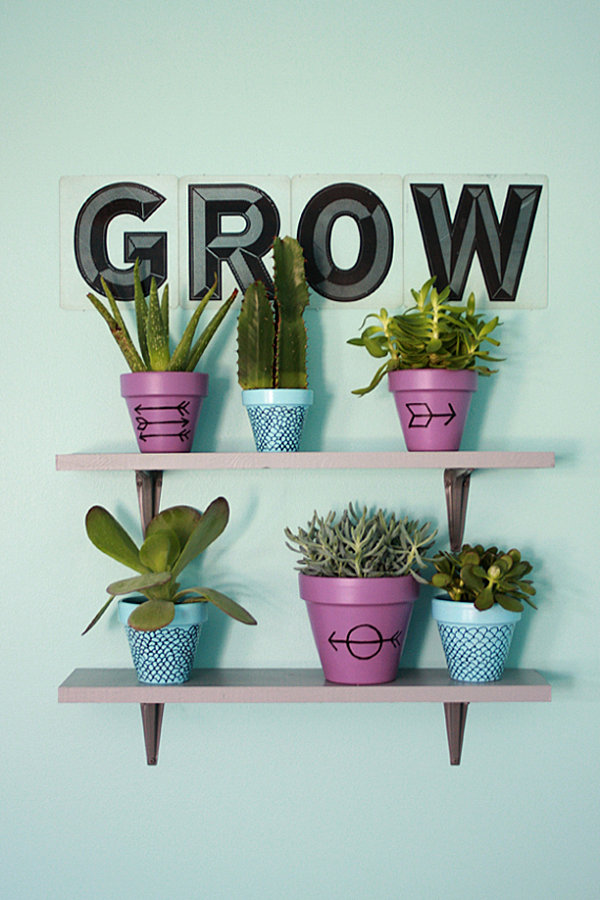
pixel 432 405
pixel 359 624
pixel 164 408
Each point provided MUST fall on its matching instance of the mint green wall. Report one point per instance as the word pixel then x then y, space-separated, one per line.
pixel 295 801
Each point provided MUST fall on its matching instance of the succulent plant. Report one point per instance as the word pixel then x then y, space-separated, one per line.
pixel 272 333
pixel 152 319
pixel 362 546
pixel 484 577
pixel 173 538
pixel 432 334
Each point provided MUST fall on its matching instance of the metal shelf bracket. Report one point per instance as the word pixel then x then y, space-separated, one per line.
pixel 456 486
pixel 152 716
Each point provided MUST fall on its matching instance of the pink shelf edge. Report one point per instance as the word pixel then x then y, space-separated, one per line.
pixel 298 686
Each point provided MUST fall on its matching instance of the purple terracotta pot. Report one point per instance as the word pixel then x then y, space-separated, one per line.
pixel 359 624
pixel 432 405
pixel 164 408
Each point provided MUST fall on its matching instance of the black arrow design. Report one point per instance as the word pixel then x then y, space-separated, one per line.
pixel 143 423
pixel 182 435
pixel 421 415
pixel 182 408
pixel 369 637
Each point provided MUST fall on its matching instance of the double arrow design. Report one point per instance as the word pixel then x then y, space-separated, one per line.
pixel 421 415
pixel 143 424
pixel 364 641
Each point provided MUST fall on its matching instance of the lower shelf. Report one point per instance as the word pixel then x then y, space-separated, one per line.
pixel 300 686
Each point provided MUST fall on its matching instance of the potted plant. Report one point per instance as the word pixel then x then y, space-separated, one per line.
pixel 434 352
pixel 163 624
pixel 486 590
pixel 271 338
pixel 359 576
pixel 163 392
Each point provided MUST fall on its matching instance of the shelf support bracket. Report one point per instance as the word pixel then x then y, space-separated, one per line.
pixel 456 486
pixel 152 715
pixel 149 486
pixel 456 717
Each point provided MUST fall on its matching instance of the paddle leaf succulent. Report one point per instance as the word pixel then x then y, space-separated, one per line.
pixel 152 320
pixel 362 545
pixel 271 333
pixel 484 577
pixel 173 539
pixel 432 334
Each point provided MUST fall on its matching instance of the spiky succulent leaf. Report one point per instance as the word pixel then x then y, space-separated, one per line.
pixel 110 537
pixel 181 354
pixel 209 332
pixel 98 615
pixel 256 339
pixel 291 299
pixel 141 313
pixel 132 357
pixel 156 335
pixel 152 615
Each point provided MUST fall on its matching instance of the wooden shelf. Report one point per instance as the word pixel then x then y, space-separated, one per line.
pixel 460 459
pixel 300 686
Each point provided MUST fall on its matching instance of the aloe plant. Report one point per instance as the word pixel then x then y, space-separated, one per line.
pixel 271 333
pixel 432 334
pixel 484 577
pixel 173 539
pixel 152 320
pixel 362 545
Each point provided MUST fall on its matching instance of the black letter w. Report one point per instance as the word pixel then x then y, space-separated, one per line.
pixel 500 246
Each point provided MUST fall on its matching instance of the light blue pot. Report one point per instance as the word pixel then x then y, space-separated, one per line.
pixel 165 656
pixel 277 416
pixel 476 642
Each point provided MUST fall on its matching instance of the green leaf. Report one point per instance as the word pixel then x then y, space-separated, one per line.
pixel 485 599
pixel 98 615
pixel 178 519
pixel 209 332
pixel 160 550
pixel 211 524
pixel 441 580
pixel 111 538
pixel 156 335
pixel 222 602
pixel 139 583
pixel 181 354
pixel 141 312
pixel 509 603
pixel 152 615
pixel 256 339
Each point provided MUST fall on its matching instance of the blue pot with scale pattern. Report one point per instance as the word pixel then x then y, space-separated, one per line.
pixel 165 656
pixel 277 416
pixel 476 642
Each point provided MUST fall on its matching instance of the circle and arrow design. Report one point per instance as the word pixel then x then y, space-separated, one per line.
pixel 364 641
pixel 421 415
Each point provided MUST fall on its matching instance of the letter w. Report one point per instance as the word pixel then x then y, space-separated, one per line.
pixel 500 246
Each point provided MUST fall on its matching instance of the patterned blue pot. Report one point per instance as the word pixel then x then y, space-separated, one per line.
pixel 277 416
pixel 165 656
pixel 476 642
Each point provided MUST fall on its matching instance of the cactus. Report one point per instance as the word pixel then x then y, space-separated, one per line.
pixel 272 334
pixel 173 539
pixel 432 334
pixel 362 546
pixel 152 319
pixel 484 577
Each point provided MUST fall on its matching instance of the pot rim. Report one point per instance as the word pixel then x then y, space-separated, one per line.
pixel 277 396
pixel 135 383
pixel 346 591
pixel 185 613
pixel 432 379
pixel 455 612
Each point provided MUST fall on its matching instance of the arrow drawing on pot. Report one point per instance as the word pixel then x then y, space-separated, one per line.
pixel 182 408
pixel 182 435
pixel 364 641
pixel 421 415
pixel 143 423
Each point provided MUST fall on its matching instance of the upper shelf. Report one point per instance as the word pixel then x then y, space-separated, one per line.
pixel 460 459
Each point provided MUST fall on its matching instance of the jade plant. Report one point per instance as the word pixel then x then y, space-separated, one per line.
pixel 432 334
pixel 362 545
pixel 271 332
pixel 484 577
pixel 152 320
pixel 173 539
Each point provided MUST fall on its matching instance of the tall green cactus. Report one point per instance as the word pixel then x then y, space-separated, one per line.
pixel 272 335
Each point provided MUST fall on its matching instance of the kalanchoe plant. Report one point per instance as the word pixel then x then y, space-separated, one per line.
pixel 152 319
pixel 362 545
pixel 174 538
pixel 432 334
pixel 484 577
pixel 272 334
